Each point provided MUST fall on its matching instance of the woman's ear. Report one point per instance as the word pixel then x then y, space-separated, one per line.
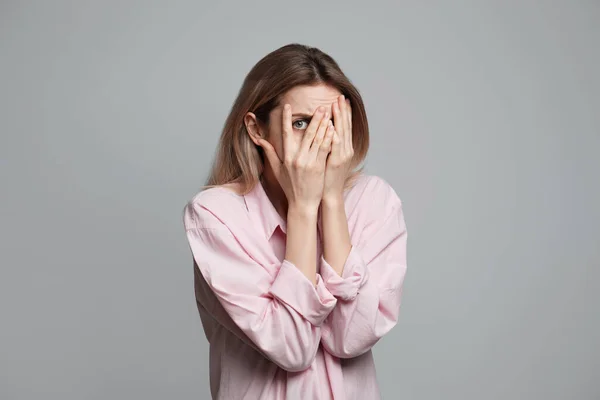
pixel 253 127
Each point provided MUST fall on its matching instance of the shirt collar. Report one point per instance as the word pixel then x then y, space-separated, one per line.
pixel 262 211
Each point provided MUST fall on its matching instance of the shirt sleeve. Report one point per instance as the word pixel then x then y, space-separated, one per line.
pixel 370 288
pixel 278 313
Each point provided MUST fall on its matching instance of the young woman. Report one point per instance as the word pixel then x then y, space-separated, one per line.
pixel 299 257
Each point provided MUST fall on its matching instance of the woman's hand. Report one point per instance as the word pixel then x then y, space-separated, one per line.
pixel 339 161
pixel 301 173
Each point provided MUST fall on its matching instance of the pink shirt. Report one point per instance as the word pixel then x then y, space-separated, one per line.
pixel 272 333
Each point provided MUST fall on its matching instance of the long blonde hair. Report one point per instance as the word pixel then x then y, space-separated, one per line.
pixel 238 160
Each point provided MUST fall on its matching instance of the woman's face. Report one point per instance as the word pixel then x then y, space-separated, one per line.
pixel 304 101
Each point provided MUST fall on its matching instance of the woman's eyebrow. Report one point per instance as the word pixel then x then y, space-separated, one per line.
pixel 303 115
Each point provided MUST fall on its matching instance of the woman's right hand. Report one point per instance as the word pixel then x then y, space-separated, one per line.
pixel 301 174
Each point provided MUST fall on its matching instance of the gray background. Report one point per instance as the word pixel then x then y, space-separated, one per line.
pixel 485 117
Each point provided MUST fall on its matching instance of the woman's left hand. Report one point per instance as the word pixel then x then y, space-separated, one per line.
pixel 339 161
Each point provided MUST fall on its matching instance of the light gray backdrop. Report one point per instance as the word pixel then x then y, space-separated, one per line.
pixel 485 117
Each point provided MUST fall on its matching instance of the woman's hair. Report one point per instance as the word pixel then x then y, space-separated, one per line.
pixel 238 159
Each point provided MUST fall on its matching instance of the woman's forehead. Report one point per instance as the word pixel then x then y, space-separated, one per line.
pixel 306 99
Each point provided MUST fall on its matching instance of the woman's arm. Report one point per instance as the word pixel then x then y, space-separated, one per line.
pixel 366 277
pixel 278 310
pixel 301 241
pixel 335 228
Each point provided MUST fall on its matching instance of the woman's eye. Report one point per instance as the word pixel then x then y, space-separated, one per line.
pixel 299 124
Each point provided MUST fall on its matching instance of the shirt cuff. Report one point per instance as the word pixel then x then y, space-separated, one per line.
pixel 293 288
pixel 354 276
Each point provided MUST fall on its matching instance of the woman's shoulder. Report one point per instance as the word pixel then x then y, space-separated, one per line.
pixel 372 192
pixel 368 185
pixel 218 196
pixel 214 206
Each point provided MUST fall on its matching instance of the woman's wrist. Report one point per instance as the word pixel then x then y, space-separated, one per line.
pixel 303 211
pixel 333 200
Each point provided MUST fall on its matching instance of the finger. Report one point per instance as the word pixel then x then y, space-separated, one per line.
pixel 287 131
pixel 344 120
pixel 271 155
pixel 312 129
pixel 325 147
pixel 349 123
pixel 338 118
pixel 336 141
pixel 323 126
